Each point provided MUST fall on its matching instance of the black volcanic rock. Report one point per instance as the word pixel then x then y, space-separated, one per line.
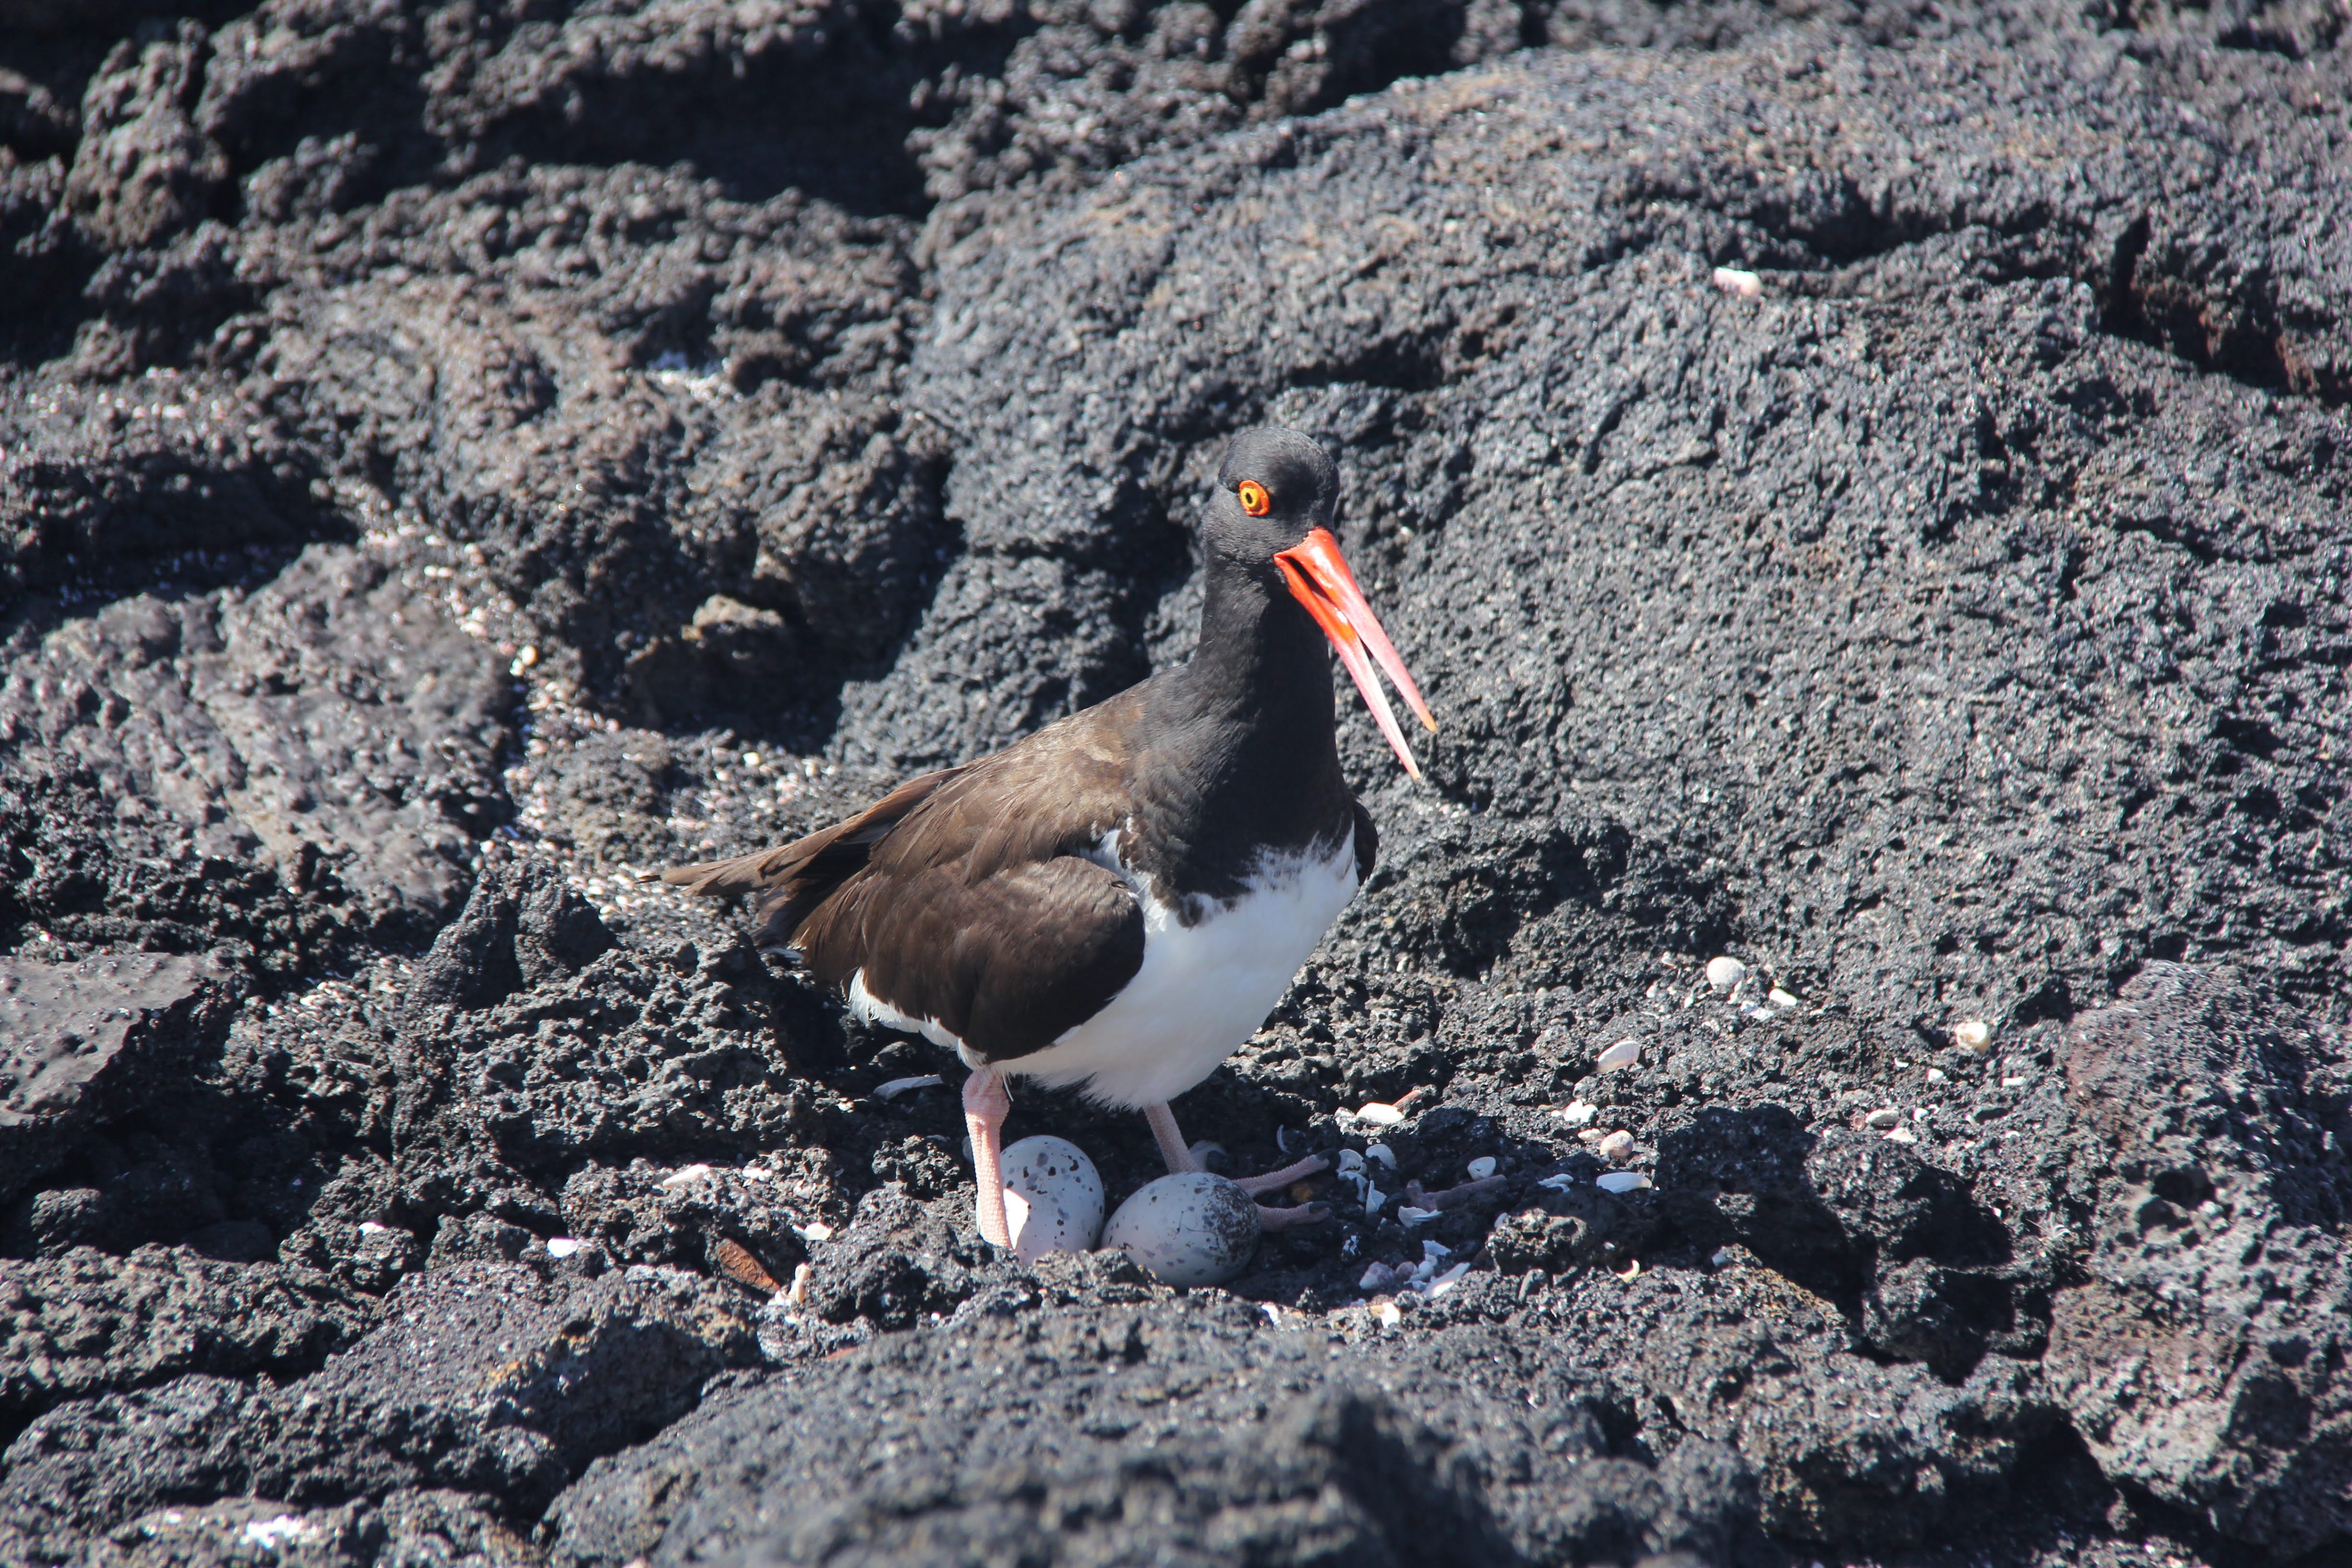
pixel 89 1322
pixel 487 1378
pixel 84 1043
pixel 1864 492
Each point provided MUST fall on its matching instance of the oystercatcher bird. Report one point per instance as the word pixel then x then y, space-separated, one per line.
pixel 1117 901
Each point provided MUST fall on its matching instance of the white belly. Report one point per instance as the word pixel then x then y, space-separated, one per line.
pixel 1203 988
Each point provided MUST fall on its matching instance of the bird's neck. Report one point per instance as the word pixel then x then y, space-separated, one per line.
pixel 1262 664
pixel 1244 762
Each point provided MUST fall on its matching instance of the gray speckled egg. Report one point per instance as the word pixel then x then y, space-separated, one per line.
pixel 1053 1197
pixel 1189 1230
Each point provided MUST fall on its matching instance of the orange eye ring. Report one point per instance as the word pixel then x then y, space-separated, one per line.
pixel 1255 501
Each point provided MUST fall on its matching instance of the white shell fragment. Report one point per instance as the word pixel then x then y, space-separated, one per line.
pixel 1413 1216
pixel 1623 1054
pixel 1385 1313
pixel 1780 998
pixel 1374 1198
pixel 1739 283
pixel 1726 973
pixel 1053 1197
pixel 1616 1146
pixel 1382 1152
pixel 1622 1181
pixel 1378 1114
pixel 562 1246
pixel 1189 1230
pixel 898 1086
pixel 683 1175
pixel 1578 1112
pixel 1902 1135
pixel 1883 1118
pixel 1481 1168
pixel 1348 1162
pixel 1559 1183
pixel 1448 1281
pixel 1973 1034
pixel 816 1230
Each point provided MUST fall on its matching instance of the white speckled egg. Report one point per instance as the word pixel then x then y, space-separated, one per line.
pixel 1188 1229
pixel 1053 1197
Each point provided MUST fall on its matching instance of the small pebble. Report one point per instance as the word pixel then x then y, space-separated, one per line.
pixel 1623 1054
pixel 1883 1118
pixel 1973 1034
pixel 1590 1135
pixel 1725 974
pixel 797 1294
pixel 1379 1115
pixel 683 1174
pixel 1578 1112
pixel 1724 1257
pixel 1780 998
pixel 1622 1181
pixel 816 1230
pixel 1481 1168
pixel 562 1246
pixel 1902 1135
pixel 1616 1146
pixel 1273 1312
pixel 1936 1075
pixel 1413 1216
pixel 1385 1313
pixel 370 1227
pixel 2012 1083
pixel 1376 1277
pixel 1739 283
pixel 898 1086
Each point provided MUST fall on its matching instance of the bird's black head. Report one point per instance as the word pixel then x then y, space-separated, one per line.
pixel 1276 485
pixel 1271 519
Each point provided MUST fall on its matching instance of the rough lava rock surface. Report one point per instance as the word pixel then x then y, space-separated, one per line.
pixel 1867 488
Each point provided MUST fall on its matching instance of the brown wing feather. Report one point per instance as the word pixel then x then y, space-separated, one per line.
pixel 965 897
pixel 1005 964
pixel 792 880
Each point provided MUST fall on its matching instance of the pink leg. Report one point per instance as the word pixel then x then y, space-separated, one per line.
pixel 1172 1147
pixel 1173 1150
pixel 985 1103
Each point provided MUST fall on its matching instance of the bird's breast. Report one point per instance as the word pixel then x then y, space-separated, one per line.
pixel 1212 969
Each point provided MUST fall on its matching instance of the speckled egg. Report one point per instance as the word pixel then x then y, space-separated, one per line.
pixel 1188 1229
pixel 1053 1197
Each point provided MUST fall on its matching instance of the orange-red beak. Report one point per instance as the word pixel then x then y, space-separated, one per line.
pixel 1320 580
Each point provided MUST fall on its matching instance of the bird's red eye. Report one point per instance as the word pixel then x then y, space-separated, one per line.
pixel 1255 501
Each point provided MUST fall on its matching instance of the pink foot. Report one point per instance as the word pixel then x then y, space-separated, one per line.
pixel 1453 1198
pixel 1179 1160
